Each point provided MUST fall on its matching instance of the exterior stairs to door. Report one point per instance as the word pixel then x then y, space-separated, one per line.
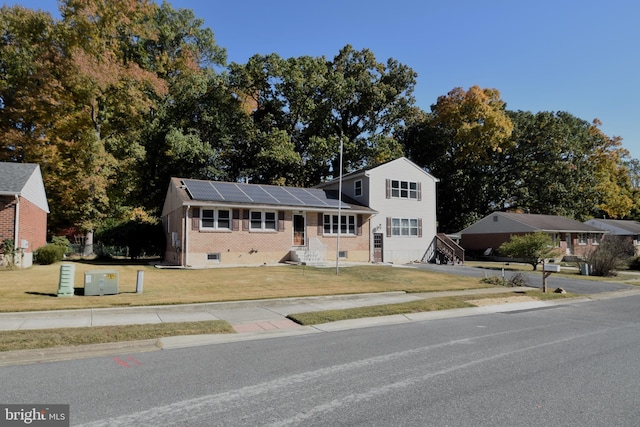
pixel 447 251
pixel 306 256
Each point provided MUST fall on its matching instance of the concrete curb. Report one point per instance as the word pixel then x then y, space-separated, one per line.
pixel 22 357
pixel 57 354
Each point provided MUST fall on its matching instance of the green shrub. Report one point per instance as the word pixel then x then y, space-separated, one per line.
pixel 63 242
pixel 50 254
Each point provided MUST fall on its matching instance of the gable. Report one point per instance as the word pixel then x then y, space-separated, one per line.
pixel 24 180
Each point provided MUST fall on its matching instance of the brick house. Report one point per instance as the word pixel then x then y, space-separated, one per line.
pixel 387 215
pixel 208 223
pixel 23 209
pixel 570 236
pixel 623 229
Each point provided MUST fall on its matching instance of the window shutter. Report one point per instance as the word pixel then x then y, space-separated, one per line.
pixel 388 226
pixel 419 191
pixel 245 219
pixel 419 227
pixel 236 220
pixel 320 223
pixel 195 219
pixel 280 220
pixel 388 187
pixel 359 225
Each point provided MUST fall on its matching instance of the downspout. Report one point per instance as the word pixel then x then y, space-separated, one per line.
pixel 16 225
pixel 185 251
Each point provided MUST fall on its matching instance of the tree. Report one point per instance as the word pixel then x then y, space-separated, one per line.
pixel 313 104
pixel 551 165
pixel 459 142
pixel 532 248
pixel 614 185
pixel 80 95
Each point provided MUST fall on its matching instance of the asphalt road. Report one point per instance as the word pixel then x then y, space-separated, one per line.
pixel 574 284
pixel 570 365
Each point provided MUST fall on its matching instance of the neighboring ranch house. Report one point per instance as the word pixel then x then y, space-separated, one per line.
pixel 23 209
pixel 620 228
pixel 387 215
pixel 570 236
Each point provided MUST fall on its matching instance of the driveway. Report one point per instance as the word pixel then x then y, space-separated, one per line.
pixel 576 285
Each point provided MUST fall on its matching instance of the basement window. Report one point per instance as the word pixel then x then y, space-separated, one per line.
pixel 215 257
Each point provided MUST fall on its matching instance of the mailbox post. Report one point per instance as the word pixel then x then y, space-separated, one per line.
pixel 547 269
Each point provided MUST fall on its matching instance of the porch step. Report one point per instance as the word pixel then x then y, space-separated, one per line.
pixel 306 256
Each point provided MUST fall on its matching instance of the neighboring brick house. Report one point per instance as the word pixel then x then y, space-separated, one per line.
pixel 23 209
pixel 570 236
pixel 619 229
pixel 388 215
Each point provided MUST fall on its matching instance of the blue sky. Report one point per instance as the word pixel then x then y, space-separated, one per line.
pixel 579 56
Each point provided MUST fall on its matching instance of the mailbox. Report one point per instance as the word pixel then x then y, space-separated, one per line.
pixel 101 282
pixel 552 268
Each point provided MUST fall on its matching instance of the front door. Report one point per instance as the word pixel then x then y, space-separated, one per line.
pixel 377 247
pixel 298 230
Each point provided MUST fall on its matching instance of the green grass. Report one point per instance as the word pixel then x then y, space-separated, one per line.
pixel 36 288
pixel 47 338
pixel 430 304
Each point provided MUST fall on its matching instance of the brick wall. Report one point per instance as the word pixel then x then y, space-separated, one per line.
pixel 7 217
pixel 243 246
pixel 33 225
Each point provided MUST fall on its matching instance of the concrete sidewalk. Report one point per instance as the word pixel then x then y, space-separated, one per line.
pixel 256 319
pixel 244 316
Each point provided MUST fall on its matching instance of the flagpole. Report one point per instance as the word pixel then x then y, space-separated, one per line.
pixel 339 212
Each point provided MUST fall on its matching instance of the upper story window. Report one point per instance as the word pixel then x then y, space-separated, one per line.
pixel 357 189
pixel 347 224
pixel 215 219
pixel 263 220
pixel 403 189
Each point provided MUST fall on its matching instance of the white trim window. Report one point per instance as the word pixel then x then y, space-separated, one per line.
pixel 583 238
pixel 404 189
pixel 405 227
pixel 347 224
pixel 357 188
pixel 596 238
pixel 263 221
pixel 215 219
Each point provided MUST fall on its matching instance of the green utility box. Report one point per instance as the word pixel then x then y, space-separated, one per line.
pixel 65 285
pixel 101 282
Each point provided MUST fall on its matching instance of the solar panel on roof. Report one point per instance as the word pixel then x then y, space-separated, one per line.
pixel 258 194
pixel 261 194
pixel 283 196
pixel 202 190
pixel 308 198
pixel 231 192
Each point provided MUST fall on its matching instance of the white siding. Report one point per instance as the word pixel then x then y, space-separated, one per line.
pixel 397 249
